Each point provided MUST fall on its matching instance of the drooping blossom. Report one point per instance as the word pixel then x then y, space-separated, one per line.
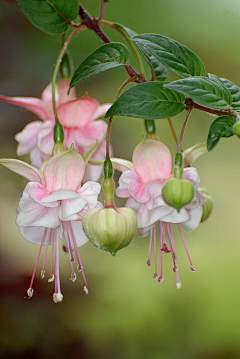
pixel 52 206
pixel 142 185
pixel 77 115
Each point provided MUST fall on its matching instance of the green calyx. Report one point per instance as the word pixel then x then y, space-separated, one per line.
pixel 177 193
pixel 58 133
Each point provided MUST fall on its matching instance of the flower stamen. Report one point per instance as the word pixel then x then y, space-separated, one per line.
pixel 150 248
pixel 57 296
pixel 79 267
pixel 185 245
pixel 30 290
pixel 45 257
pixel 155 276
pixel 51 278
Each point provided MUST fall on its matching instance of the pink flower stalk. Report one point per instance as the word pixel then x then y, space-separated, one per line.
pixel 52 206
pixel 77 115
pixel 142 185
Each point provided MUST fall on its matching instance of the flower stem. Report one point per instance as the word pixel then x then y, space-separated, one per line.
pixel 182 130
pixel 55 72
pixel 190 103
pixel 132 79
pixel 102 10
pixel 116 27
pixel 172 130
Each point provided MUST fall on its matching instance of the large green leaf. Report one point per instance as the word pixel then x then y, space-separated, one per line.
pixel 221 127
pixel 171 54
pixel 235 92
pixel 160 71
pixel 149 101
pixel 104 58
pixel 46 14
pixel 204 91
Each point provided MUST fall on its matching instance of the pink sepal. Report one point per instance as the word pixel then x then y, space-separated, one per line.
pixel 64 171
pixel 152 161
pixel 23 169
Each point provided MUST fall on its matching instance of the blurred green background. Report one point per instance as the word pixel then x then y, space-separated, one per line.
pixel 126 314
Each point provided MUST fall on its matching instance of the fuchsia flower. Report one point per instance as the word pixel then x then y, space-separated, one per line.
pixel 142 185
pixel 52 206
pixel 78 117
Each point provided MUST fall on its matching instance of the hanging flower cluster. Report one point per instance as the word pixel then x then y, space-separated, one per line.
pixel 69 147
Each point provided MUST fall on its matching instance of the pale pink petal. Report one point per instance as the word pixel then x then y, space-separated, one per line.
pixel 151 212
pixel 27 203
pixel 122 165
pixel 38 193
pixel 34 235
pixel 45 140
pixel 39 216
pixel 78 232
pixel 130 185
pixel 59 195
pixel 88 135
pixel 27 138
pixel 90 191
pixel 47 100
pixel 37 158
pixel 63 91
pixel 152 161
pixel 191 174
pixel 77 113
pixel 70 207
pixel 154 188
pixel 101 111
pixel 144 232
pixel 175 217
pixel 23 169
pixel 64 171
pixel 32 104
pixel 195 219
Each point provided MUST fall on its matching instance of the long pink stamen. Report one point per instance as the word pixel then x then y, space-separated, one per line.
pixel 171 242
pixel 178 283
pixel 161 235
pixel 30 289
pixel 150 247
pixel 45 257
pixel 73 274
pixel 185 245
pixel 80 267
pixel 57 296
pixel 164 247
pixel 155 251
pixel 51 278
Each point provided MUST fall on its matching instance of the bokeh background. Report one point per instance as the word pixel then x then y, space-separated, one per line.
pixel 126 314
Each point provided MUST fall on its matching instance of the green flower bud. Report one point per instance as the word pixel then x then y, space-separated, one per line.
pixel 178 193
pixel 236 128
pixel 208 206
pixel 66 67
pixel 110 229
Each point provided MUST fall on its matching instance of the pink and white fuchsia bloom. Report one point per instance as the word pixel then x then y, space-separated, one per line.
pixel 78 117
pixel 142 185
pixel 52 206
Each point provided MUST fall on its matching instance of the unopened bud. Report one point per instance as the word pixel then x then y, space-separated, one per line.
pixel 110 229
pixel 236 128
pixel 208 206
pixel 178 193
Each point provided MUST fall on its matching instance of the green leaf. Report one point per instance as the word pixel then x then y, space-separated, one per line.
pixel 104 58
pixel 204 91
pixel 149 100
pixel 232 88
pixel 160 71
pixel 171 54
pixel 221 127
pixel 128 31
pixel 235 92
pixel 45 15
